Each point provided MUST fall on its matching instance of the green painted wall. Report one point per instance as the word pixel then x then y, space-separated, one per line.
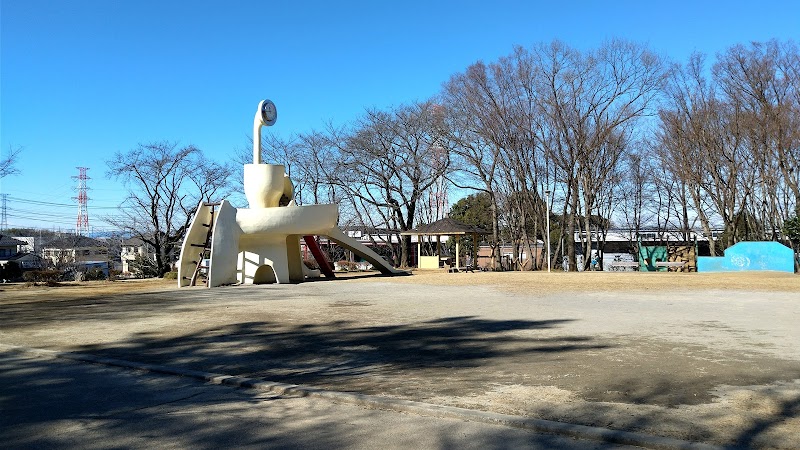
pixel 648 255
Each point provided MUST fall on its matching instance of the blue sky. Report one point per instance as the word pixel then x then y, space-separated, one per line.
pixel 82 79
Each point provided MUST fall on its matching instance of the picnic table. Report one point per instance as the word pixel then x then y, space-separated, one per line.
pixel 624 264
pixel 671 264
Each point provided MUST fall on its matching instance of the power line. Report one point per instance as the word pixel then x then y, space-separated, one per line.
pixel 29 214
pixel 16 211
pixel 69 222
pixel 47 220
pixel 59 205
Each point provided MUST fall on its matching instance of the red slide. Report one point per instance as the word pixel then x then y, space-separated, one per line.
pixel 324 265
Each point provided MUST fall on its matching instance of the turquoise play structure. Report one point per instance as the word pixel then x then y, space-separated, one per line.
pixel 649 254
pixel 750 256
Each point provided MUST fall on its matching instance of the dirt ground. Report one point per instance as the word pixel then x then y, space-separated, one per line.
pixel 704 357
pixel 522 282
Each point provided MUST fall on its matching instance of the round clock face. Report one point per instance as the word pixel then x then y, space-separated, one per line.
pixel 269 114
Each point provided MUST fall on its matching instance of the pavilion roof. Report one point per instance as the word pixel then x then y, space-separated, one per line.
pixel 446 226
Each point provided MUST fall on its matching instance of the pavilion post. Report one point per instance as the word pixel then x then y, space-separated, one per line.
pixel 439 248
pixel 419 249
pixel 475 249
pixel 457 257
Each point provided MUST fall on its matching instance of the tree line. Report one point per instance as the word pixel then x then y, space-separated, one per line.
pixel 616 136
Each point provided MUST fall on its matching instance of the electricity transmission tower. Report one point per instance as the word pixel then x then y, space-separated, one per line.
pixel 3 215
pixel 82 224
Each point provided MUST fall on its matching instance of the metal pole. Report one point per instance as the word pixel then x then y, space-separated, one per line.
pixel 547 202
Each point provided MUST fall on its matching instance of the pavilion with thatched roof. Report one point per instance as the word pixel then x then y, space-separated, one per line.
pixel 444 227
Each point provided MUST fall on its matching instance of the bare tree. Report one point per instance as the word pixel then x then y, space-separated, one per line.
pixel 759 81
pixel 732 141
pixel 475 124
pixel 317 153
pixel 590 104
pixel 7 164
pixel 525 169
pixel 387 163
pixel 637 191
pixel 165 183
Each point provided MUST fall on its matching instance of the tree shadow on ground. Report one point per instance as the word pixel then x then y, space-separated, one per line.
pixel 769 420
pixel 308 353
pixel 358 276
pixel 411 360
pixel 107 307
pixel 61 404
pixel 751 436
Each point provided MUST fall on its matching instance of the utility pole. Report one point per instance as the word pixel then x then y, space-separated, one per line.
pixel 547 204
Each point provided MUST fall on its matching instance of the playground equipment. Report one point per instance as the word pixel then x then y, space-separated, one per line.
pixel 750 256
pixel 261 244
pixel 670 257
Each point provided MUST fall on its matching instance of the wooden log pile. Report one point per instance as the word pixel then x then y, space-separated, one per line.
pixel 686 253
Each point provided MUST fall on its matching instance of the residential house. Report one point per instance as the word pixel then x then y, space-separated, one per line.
pixel 13 249
pixel 9 246
pixel 131 248
pixel 78 251
pixel 31 244
pixel 26 261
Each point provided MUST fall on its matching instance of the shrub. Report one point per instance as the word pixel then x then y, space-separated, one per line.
pixel 311 263
pixel 42 276
pixel 171 275
pixel 143 267
pixel 94 274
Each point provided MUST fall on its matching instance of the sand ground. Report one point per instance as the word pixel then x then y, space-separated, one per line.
pixel 704 357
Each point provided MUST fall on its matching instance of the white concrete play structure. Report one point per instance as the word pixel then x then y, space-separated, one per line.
pixel 261 244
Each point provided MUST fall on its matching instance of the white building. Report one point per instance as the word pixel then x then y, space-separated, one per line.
pixel 77 250
pixel 131 248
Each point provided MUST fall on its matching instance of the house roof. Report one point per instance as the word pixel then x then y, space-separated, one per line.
pixel 74 242
pixel 7 241
pixel 446 226
pixel 134 241
pixel 25 257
